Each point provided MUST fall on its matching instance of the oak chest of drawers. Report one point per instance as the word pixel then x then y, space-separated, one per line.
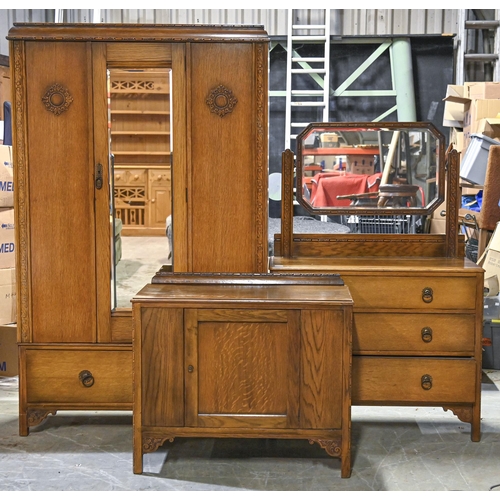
pixel 417 330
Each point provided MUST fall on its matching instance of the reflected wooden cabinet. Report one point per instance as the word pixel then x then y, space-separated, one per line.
pixel 143 200
pixel 62 117
pixel 159 198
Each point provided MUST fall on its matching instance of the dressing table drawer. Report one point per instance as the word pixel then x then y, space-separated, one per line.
pixel 404 292
pixel 425 333
pixel 101 376
pixel 387 380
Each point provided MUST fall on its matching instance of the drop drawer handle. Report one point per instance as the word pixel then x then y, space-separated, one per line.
pixel 427 295
pixel 86 378
pixel 427 334
pixel 426 382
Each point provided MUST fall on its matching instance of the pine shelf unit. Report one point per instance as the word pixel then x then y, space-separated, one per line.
pixel 140 143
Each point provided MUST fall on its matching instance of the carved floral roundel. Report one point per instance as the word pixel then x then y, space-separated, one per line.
pixel 221 101
pixel 57 99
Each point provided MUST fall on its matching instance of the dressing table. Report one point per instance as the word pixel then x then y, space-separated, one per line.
pixel 418 302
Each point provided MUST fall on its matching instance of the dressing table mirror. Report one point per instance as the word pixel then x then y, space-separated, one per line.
pixel 363 166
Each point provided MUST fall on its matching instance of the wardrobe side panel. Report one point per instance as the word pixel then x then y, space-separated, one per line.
pixel 61 192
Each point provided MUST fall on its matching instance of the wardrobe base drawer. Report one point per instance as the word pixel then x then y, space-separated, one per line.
pixel 81 375
pixel 397 380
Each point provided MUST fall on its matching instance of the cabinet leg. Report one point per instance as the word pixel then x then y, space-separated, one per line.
pixel 24 430
pixel 476 424
pixel 345 470
pixel 471 415
pixel 345 464
pixel 137 454
pixel 137 462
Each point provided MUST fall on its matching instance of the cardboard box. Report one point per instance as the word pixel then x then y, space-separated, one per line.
pixel 438 226
pixel 8 351
pixel 490 262
pixel 491 266
pixel 361 164
pixel 5 88
pixel 494 242
pixel 363 170
pixel 328 140
pixel 482 90
pixel 457 138
pixel 8 296
pixel 470 191
pixel 6 177
pixel 454 106
pixel 490 127
pixel 475 111
pixel 462 111
pixel 7 238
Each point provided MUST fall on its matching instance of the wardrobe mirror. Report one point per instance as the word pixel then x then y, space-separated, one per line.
pixel 140 139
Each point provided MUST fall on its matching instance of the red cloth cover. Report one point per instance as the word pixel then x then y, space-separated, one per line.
pixel 326 188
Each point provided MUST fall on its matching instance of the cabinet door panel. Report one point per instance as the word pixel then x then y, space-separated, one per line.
pixel 160 205
pixel 61 193
pixel 242 369
pixel 322 385
pixel 162 388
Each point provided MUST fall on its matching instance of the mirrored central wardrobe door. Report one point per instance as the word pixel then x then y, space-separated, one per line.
pixel 140 145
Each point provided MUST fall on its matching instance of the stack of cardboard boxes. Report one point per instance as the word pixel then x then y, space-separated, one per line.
pixel 472 109
pixel 8 346
pixel 5 93
pixel 490 261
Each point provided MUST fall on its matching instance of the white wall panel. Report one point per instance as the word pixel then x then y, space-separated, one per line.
pixel 10 16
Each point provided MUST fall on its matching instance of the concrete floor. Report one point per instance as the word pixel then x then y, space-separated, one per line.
pixel 394 449
pixel 142 257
